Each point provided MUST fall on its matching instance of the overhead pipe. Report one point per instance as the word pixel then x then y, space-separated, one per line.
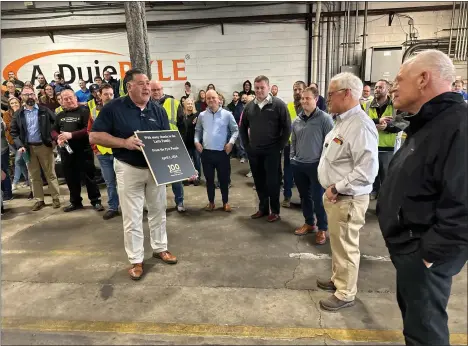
pixel 355 33
pixel 337 41
pixel 462 32
pixel 451 29
pixel 457 41
pixel 348 49
pixel 465 35
pixel 309 45
pixel 345 30
pixel 316 36
pixel 328 63
pixel 364 39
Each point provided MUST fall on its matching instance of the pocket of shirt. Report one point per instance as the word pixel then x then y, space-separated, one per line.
pixel 333 151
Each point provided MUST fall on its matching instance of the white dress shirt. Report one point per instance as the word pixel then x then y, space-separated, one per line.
pixel 350 155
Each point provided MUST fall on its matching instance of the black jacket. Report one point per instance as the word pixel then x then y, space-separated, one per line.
pixel 423 202
pixel 19 128
pixel 187 128
pixel 270 127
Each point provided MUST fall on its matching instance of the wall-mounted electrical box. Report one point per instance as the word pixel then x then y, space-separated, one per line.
pixel 350 68
pixel 382 63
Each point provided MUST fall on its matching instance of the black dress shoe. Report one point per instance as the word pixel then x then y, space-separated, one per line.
pixel 110 214
pixel 98 207
pixel 72 207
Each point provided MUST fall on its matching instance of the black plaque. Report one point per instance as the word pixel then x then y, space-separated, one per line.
pixel 167 156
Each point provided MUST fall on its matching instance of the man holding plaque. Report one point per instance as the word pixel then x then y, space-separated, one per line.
pixel 114 128
pixel 217 129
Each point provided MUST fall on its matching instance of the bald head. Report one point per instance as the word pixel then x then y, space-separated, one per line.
pixel 157 90
pixel 421 78
pixel 212 100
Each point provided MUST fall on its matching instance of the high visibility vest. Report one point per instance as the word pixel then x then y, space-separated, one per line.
pixel 365 104
pixel 386 139
pixel 102 150
pixel 171 105
pixel 58 110
pixel 122 92
pixel 92 104
pixel 292 114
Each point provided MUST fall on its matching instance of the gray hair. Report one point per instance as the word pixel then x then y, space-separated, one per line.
pixel 435 61
pixel 347 80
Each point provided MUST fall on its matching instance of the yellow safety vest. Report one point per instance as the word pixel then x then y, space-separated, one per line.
pixel 102 150
pixel 58 110
pixel 121 88
pixel 91 104
pixel 386 139
pixel 171 105
pixel 292 114
pixel 365 104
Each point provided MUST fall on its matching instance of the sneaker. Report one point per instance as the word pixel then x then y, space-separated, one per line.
pixel 249 175
pixel 14 187
pixel 242 160
pixel 110 214
pixel 286 203
pixel 180 207
pixel 98 207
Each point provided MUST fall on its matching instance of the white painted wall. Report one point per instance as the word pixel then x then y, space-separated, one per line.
pixel 243 52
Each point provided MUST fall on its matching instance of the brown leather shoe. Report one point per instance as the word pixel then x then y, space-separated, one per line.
pixel 166 257
pixel 273 217
pixel 56 203
pixel 326 285
pixel 210 207
pixel 304 229
pixel 321 237
pixel 38 206
pixel 257 215
pixel 136 271
pixel 227 208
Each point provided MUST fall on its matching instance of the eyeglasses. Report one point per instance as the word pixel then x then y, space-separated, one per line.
pixel 28 95
pixel 333 92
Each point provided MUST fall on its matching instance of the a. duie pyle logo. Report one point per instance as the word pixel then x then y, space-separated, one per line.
pixel 87 73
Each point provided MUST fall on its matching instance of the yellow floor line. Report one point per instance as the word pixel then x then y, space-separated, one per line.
pixel 177 329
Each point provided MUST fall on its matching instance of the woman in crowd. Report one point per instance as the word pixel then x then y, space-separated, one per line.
pixel 186 124
pixel 210 87
pixel 20 165
pixel 49 100
pixel 247 89
pixel 200 105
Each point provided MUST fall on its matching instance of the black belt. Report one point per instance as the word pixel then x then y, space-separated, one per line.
pixel 36 144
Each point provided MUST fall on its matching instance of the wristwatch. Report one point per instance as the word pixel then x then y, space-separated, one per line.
pixel 333 190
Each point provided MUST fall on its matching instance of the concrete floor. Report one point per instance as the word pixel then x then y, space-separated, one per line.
pixel 238 281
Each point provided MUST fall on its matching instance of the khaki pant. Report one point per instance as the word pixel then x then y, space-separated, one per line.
pixel 135 186
pixel 345 219
pixel 42 156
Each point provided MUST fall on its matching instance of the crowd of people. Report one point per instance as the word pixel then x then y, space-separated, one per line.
pixel 340 151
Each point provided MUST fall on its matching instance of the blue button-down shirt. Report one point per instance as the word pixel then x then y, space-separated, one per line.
pixel 217 129
pixel 32 122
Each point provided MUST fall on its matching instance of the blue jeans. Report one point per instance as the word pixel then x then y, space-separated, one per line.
pixel 20 167
pixel 178 190
pixel 288 175
pixel 6 184
pixel 195 156
pixel 240 148
pixel 311 193
pixel 107 169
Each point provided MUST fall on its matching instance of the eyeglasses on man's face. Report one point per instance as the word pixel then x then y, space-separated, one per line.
pixel 330 94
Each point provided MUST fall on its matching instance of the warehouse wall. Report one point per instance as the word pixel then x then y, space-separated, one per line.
pixel 203 55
